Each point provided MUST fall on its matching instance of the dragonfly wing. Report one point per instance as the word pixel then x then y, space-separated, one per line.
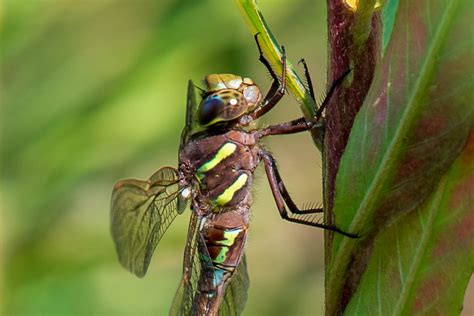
pixel 183 300
pixel 191 111
pixel 235 295
pixel 141 212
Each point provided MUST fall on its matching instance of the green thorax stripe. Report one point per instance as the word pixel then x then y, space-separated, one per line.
pixel 225 151
pixel 226 196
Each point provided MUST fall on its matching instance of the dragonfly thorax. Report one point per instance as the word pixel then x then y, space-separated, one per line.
pixel 228 97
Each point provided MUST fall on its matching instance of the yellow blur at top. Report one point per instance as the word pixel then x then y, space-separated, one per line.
pixel 354 4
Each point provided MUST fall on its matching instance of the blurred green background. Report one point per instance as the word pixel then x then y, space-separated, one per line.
pixel 93 91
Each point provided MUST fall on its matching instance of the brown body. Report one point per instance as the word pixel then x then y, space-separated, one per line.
pixel 224 227
pixel 243 160
pixel 216 164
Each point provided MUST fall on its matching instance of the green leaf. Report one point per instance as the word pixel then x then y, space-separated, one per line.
pixel 388 16
pixel 272 51
pixel 428 265
pixel 412 126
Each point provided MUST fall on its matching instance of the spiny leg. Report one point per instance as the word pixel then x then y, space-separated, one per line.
pixel 301 124
pixel 282 197
pixel 329 93
pixel 309 82
pixel 277 89
pixel 284 192
pixel 275 83
pixel 291 127
pixel 319 131
pixel 336 83
pixel 268 158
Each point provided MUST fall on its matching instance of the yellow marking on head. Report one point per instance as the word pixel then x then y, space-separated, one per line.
pixel 225 151
pixel 228 193
pixel 216 82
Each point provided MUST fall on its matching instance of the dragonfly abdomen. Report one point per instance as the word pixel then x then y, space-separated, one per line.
pixel 224 235
pixel 221 250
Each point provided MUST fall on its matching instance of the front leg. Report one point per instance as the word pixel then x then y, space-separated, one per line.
pixel 301 124
pixel 291 127
pixel 282 197
pixel 277 89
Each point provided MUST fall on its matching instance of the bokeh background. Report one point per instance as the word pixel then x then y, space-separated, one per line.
pixel 93 91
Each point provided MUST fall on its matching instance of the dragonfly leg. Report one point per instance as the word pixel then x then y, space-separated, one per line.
pixel 291 127
pixel 277 89
pixel 336 83
pixel 307 76
pixel 301 124
pixel 282 197
pixel 274 176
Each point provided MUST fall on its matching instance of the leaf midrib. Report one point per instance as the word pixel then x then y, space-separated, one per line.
pixel 419 253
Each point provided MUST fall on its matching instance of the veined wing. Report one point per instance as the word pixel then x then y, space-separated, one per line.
pixel 141 212
pixel 183 299
pixel 191 125
pixel 235 295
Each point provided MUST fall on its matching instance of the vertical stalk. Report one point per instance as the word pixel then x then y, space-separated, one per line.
pixel 354 37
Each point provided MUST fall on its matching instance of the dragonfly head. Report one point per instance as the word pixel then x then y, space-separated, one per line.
pixel 228 97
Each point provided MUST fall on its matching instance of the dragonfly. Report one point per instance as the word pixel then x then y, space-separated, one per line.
pixel 218 154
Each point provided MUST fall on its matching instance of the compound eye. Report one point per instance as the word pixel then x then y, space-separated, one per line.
pixel 210 109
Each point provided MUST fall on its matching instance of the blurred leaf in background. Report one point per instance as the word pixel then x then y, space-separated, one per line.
pixel 94 91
